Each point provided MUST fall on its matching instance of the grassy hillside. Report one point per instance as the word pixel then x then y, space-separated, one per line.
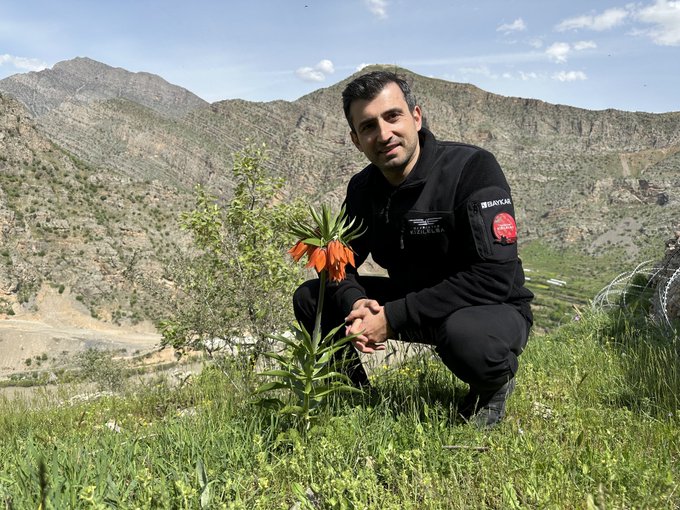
pixel 564 281
pixel 593 424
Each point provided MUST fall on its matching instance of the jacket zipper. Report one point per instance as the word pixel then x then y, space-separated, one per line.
pixel 386 215
pixel 479 219
pixel 387 209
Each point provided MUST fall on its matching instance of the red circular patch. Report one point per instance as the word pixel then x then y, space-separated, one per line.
pixel 504 228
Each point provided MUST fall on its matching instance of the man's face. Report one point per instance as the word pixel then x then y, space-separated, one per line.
pixel 387 132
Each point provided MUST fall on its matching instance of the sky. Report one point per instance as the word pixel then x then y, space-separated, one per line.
pixel 594 54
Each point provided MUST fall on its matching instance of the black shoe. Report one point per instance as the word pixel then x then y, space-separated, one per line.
pixel 486 409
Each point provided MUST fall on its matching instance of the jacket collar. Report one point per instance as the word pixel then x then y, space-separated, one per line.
pixel 428 144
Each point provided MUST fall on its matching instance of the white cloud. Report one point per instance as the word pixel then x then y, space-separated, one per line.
pixel 570 76
pixel 325 66
pixel 528 76
pixel 608 19
pixel 377 7
pixel 536 43
pixel 478 70
pixel 516 26
pixel 317 73
pixel 310 74
pixel 23 63
pixel 361 66
pixel 665 16
pixel 558 51
pixel 584 45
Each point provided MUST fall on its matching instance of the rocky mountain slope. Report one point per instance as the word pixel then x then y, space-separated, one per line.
pixel 96 163
pixel 84 81
pixel 64 223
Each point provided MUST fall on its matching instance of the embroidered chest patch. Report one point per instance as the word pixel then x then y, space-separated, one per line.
pixel 425 226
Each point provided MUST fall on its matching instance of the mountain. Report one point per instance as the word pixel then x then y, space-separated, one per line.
pixel 96 163
pixel 67 224
pixel 84 81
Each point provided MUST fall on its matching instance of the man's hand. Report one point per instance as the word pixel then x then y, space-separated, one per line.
pixel 367 318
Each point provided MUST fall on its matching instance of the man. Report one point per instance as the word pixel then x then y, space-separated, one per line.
pixel 439 217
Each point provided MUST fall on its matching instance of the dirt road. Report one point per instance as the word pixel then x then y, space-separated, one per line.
pixel 59 328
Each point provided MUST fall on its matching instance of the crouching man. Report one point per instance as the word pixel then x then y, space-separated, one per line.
pixel 439 218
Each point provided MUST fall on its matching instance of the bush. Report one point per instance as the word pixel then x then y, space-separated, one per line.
pixel 238 281
pixel 101 368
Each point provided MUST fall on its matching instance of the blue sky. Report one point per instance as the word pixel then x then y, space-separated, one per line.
pixel 591 54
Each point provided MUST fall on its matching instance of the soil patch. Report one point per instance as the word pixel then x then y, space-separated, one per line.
pixel 61 327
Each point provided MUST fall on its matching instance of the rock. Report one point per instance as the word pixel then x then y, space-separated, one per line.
pixel 666 303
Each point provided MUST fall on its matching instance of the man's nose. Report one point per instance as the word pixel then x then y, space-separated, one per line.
pixel 384 131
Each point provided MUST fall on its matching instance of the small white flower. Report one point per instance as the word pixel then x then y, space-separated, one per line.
pixel 113 426
pixel 543 411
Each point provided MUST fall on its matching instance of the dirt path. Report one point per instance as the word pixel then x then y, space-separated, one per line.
pixel 60 328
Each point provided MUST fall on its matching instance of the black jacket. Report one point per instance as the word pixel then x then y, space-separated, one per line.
pixel 446 235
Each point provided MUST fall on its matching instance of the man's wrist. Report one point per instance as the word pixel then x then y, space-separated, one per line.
pixel 359 303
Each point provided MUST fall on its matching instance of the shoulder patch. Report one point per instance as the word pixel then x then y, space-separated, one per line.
pixel 505 228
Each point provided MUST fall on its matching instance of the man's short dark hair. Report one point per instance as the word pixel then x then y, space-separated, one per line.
pixel 369 85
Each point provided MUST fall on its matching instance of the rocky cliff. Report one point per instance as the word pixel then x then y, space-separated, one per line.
pixel 67 224
pixel 666 304
pixel 97 162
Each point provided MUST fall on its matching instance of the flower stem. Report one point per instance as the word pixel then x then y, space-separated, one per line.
pixel 316 335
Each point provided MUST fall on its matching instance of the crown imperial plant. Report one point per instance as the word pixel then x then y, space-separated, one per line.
pixel 307 367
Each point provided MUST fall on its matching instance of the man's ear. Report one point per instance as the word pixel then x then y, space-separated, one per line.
pixel 355 140
pixel 418 117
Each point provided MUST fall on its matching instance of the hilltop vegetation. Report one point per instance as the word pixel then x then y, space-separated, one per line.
pixel 593 424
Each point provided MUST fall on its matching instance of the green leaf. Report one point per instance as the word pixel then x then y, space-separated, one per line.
pixel 314 241
pixel 292 342
pixel 332 333
pixel 292 409
pixel 269 386
pixel 336 388
pixel 269 403
pixel 289 374
pixel 276 356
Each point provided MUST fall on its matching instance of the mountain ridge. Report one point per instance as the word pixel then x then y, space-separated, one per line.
pixel 117 153
pixel 85 80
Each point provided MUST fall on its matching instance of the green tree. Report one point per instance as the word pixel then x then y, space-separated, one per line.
pixel 234 288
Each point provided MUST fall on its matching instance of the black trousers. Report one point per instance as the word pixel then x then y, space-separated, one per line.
pixel 479 344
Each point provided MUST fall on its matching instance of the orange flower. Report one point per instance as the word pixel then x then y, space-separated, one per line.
pixel 337 272
pixel 317 259
pixel 336 253
pixel 332 258
pixel 350 257
pixel 339 256
pixel 298 250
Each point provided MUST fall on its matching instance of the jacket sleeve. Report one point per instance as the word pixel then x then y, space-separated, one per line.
pixel 486 250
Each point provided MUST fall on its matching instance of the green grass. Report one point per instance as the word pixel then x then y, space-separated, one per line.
pixel 585 275
pixel 593 424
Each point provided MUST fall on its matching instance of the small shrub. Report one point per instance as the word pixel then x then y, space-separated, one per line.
pixel 102 369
